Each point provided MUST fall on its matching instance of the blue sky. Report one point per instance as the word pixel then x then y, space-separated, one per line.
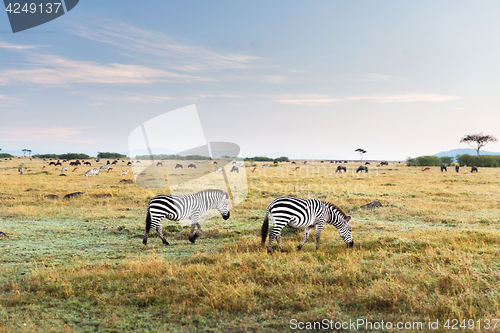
pixel 320 78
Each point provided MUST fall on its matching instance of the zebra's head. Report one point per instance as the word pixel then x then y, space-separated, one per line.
pixel 345 232
pixel 223 206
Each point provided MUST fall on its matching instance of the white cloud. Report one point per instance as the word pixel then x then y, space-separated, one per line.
pixel 160 48
pixel 308 100
pixel 404 98
pixel 4 45
pixel 275 79
pixel 56 71
pixel 8 100
pixel 376 77
pixel 25 134
pixel 321 100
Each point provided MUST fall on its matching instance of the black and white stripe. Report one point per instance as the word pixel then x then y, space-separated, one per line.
pixel 181 207
pixel 304 214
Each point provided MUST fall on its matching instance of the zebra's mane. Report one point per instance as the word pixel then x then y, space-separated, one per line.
pixel 334 206
pixel 214 190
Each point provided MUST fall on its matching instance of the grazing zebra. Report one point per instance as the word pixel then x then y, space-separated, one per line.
pixel 241 165
pixel 304 214
pixel 181 207
pixel 235 169
pixel 218 170
pixel 104 167
pixel 266 165
pixel 64 169
pixel 92 172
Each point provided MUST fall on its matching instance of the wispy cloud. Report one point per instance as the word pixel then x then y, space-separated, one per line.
pixel 8 100
pixel 5 45
pixel 275 79
pixel 321 100
pixel 160 48
pixel 25 134
pixel 56 71
pixel 308 100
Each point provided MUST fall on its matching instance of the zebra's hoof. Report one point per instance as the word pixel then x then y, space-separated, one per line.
pixel 299 247
pixel 145 241
pixel 192 239
pixel 269 251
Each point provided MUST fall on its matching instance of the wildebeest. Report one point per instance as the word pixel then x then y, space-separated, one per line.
pixel 58 163
pixel 114 163
pixel 53 163
pixel 367 163
pixel 191 166
pixel 362 168
pixel 384 163
pixel 341 168
pixel 306 162
pixel 107 162
pixel 215 162
pixel 177 166
pixel 443 168
pixel 235 169
pixel 159 164
pixel 129 163
pixel 293 162
pixel 457 168
pixel 86 163
pixel 473 169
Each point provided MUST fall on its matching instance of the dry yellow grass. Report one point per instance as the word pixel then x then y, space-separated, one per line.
pixel 430 253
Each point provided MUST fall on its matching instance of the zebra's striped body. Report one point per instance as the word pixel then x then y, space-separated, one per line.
pixel 91 172
pixel 304 214
pixel 181 207
pixel 104 167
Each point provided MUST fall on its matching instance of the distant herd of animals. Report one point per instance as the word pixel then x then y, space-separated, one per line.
pixel 444 168
pixel 298 213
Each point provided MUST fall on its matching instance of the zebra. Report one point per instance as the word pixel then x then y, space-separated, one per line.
pixel 20 170
pixel 235 169
pixel 218 170
pixel 104 167
pixel 304 214
pixel 92 172
pixel 181 207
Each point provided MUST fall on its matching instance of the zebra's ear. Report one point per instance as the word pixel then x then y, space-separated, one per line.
pixel 348 219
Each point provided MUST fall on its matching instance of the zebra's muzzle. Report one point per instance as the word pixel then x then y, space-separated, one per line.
pixel 351 244
pixel 225 217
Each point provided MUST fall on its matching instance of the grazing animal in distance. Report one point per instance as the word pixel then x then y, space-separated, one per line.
pixel 110 169
pixel 20 170
pixel 97 160
pixel 192 166
pixel 75 169
pixel 87 163
pixel 362 168
pixel 253 170
pixel 129 163
pixel 384 163
pixel 124 172
pixel 58 163
pixel 218 170
pixel 178 166
pixel 215 162
pixel 43 168
pixel 104 167
pixel 296 168
pixel 107 162
pixel 266 166
pixel 304 214
pixel 306 162
pixel 180 207
pixel 64 169
pixel 92 172
pixel 241 165
pixel 367 163
pixel 426 169
pixel 159 164
pixel 52 163
pixel 443 168
pixel 341 168
pixel 114 163
pixel 235 169
pixel 293 162
pixel 457 168
pixel 473 169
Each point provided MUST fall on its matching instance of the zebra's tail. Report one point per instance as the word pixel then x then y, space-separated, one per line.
pixel 148 220
pixel 265 228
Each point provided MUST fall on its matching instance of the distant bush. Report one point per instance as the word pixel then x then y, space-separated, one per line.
pixel 483 161
pixel 110 155
pixel 68 156
pixel 424 161
pixel 5 155
pixel 447 160
pixel 266 159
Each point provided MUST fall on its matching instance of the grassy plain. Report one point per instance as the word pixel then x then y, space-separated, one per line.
pixel 430 253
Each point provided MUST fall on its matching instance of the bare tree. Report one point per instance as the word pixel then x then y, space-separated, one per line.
pixel 361 152
pixel 478 141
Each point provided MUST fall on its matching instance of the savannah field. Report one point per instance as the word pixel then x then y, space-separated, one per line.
pixel 78 265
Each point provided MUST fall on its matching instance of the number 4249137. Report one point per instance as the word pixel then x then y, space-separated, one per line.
pixel 15 8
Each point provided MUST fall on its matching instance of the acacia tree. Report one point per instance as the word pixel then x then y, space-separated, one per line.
pixel 361 152
pixel 478 141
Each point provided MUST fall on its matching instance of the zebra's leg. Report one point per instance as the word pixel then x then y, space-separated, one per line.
pixel 275 233
pixel 307 231
pixel 278 239
pixel 158 231
pixel 192 235
pixel 319 228
pixel 197 233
